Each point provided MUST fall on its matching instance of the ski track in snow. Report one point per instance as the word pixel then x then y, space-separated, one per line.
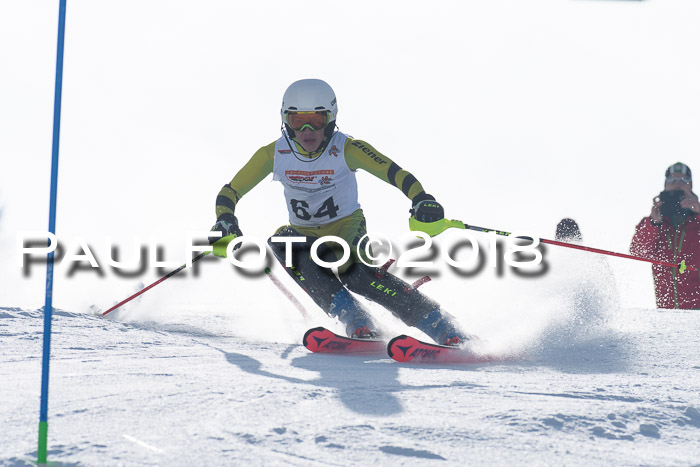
pixel 147 393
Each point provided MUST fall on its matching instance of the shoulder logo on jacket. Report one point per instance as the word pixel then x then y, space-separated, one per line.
pixel 369 152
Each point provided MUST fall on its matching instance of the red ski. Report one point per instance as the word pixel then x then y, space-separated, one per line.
pixel 408 349
pixel 324 341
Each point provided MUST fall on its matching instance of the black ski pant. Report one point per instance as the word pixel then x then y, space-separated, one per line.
pixel 376 284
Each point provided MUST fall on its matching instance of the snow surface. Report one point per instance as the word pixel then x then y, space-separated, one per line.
pixel 580 383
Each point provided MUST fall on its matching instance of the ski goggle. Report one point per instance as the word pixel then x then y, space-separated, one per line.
pixel 297 121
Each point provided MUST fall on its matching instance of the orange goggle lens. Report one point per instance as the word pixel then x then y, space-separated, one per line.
pixel 314 120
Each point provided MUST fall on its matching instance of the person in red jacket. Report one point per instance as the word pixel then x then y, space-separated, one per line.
pixel 672 234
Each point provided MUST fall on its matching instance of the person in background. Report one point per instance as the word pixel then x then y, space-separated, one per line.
pixel 671 233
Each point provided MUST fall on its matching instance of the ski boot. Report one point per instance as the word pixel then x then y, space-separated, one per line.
pixel 439 326
pixel 350 312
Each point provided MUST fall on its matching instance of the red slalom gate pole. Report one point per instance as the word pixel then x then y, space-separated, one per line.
pixel 169 275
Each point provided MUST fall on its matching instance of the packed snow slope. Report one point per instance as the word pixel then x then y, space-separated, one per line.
pixel 581 381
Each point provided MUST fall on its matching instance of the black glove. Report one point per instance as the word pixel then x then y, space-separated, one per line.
pixel 228 226
pixel 426 209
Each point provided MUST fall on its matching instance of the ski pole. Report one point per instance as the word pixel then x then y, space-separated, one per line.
pixel 167 276
pixel 435 228
pixel 287 293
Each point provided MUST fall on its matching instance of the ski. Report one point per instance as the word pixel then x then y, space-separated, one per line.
pixel 408 349
pixel 322 340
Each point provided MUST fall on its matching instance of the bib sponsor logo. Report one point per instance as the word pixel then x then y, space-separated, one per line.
pixel 284 151
pixel 334 151
pixel 310 177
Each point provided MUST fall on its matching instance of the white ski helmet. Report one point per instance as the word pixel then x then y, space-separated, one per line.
pixel 308 95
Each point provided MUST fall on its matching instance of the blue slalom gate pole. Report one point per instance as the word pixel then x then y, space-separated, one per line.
pixel 48 307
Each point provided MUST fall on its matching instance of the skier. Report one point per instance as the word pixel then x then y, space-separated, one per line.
pixel 671 233
pixel 316 164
